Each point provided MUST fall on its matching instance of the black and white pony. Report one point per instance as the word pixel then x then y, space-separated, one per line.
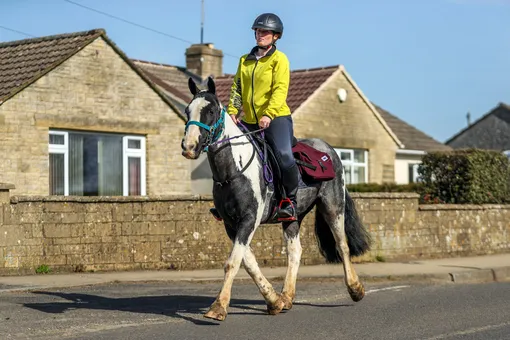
pixel 244 200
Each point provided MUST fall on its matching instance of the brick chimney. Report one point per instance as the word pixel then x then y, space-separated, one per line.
pixel 204 60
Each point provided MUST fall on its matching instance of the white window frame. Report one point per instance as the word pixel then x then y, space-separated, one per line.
pixel 352 163
pixel 415 174
pixel 133 153
pixel 62 150
pixel 126 153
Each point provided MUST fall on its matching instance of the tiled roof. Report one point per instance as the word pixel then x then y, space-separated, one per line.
pixel 411 137
pixel 172 79
pixel 302 84
pixel 490 131
pixel 501 107
pixel 24 61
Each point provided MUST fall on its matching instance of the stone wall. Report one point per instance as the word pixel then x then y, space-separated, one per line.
pixel 129 233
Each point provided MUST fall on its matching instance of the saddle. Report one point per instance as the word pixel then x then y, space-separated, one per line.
pixel 314 165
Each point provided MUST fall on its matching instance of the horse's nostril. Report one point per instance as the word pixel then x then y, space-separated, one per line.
pixel 185 146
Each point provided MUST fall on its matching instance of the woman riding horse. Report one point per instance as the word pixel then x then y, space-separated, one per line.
pixel 260 90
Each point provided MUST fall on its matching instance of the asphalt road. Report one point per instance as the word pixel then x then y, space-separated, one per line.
pixel 323 310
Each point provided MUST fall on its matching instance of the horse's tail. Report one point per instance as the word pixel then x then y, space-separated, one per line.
pixel 325 239
pixel 358 238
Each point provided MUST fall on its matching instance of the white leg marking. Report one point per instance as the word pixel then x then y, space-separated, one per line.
pixel 231 268
pixel 343 248
pixel 265 287
pixel 294 250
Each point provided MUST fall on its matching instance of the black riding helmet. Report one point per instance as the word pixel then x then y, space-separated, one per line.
pixel 270 22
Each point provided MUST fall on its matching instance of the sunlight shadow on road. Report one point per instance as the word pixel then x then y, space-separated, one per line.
pixel 170 305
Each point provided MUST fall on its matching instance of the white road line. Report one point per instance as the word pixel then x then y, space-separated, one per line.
pixel 469 331
pixel 387 288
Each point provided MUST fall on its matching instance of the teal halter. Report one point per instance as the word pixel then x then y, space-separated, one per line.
pixel 212 137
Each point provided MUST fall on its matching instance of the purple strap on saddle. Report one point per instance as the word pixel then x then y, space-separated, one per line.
pixel 268 174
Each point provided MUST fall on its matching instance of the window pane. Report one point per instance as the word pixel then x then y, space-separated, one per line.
pixel 57 174
pixel 110 165
pixel 348 177
pixel 95 164
pixel 75 165
pixel 359 156
pixel 359 174
pixel 134 173
pixel 413 173
pixel 345 156
pixel 57 139
pixel 134 144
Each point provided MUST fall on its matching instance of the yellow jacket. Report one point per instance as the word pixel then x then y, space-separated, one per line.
pixel 260 86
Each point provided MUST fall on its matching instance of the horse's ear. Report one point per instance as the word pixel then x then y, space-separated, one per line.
pixel 211 86
pixel 192 86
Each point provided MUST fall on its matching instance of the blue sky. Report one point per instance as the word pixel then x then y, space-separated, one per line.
pixel 427 61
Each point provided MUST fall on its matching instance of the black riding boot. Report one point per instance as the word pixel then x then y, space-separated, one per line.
pixel 288 208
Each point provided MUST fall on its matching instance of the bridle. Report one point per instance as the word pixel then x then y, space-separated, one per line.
pixel 214 131
pixel 213 134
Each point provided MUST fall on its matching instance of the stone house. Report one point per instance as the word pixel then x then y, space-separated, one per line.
pixel 77 117
pixel 491 132
pixel 375 145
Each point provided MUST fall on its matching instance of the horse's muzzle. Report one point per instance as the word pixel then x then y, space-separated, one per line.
pixel 189 154
pixel 189 150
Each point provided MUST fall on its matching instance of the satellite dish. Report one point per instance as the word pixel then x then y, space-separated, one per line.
pixel 342 95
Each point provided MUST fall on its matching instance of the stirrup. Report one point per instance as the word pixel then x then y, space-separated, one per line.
pixel 293 217
pixel 217 216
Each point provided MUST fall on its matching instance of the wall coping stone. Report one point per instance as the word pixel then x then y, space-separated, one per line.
pixel 463 206
pixel 108 199
pixel 196 198
pixel 384 195
pixel 7 186
pixel 209 198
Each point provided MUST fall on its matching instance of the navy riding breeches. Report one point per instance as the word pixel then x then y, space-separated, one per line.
pixel 279 137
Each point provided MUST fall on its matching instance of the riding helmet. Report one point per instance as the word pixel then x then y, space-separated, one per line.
pixel 270 22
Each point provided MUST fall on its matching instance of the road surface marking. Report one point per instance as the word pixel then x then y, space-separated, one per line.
pixel 387 288
pixel 469 331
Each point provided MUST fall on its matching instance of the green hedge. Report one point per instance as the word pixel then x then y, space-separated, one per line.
pixel 465 176
pixel 385 187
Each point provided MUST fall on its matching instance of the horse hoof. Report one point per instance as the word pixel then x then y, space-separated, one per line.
pixel 357 292
pixel 276 307
pixel 216 312
pixel 287 302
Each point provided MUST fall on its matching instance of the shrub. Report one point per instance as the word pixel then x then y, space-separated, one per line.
pixel 385 187
pixel 465 176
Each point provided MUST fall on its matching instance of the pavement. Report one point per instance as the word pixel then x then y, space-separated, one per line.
pixel 487 268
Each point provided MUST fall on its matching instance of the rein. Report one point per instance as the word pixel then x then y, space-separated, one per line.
pixel 214 132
